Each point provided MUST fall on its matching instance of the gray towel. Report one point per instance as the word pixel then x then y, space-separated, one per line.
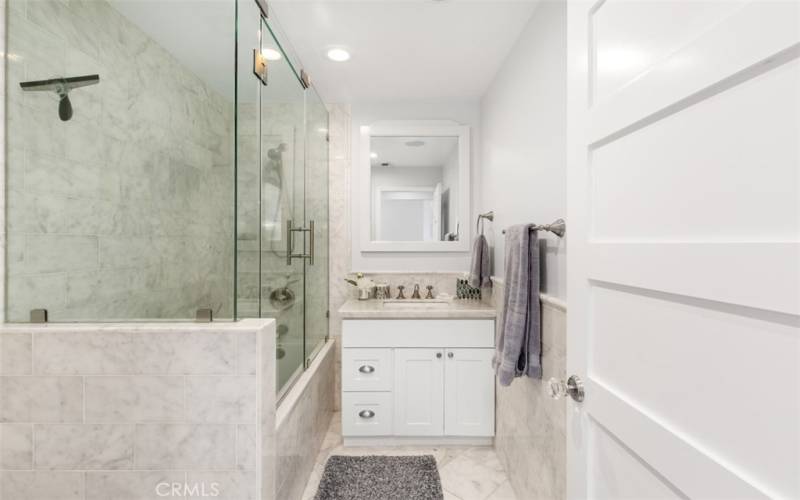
pixel 479 272
pixel 519 345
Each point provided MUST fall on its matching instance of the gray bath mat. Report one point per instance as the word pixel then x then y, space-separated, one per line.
pixel 380 478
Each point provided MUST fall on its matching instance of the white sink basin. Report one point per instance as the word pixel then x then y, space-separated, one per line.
pixel 416 304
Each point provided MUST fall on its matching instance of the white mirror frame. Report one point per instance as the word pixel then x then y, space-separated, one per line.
pixel 417 129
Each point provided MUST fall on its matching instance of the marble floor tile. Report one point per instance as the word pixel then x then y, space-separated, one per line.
pixel 467 472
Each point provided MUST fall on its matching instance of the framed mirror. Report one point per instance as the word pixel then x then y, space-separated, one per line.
pixel 414 187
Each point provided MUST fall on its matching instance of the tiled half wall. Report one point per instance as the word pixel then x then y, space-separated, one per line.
pixel 90 412
pixel 530 433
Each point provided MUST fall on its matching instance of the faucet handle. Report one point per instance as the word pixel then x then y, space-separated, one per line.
pixel 415 295
pixel 400 289
pixel 429 295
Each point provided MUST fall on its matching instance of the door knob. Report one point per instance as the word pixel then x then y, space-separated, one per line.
pixel 573 388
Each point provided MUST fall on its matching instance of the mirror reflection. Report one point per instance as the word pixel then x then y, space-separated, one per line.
pixel 414 188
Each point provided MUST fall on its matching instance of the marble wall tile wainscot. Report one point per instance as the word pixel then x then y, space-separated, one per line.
pixel 302 425
pixel 134 399
pixel 16 354
pixel 120 212
pixel 43 485
pixel 530 437
pixel 339 176
pixel 83 446
pixel 190 404
pixel 41 399
pixel 16 446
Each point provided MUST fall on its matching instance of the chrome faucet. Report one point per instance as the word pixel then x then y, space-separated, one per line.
pixel 416 295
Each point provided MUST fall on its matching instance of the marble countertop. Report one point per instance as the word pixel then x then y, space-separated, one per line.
pixel 455 309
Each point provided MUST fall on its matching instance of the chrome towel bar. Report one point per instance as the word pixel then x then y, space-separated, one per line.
pixel 557 227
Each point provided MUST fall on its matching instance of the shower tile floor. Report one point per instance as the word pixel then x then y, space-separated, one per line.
pixel 467 473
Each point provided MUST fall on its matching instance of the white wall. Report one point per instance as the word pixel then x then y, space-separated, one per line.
pixel 450 181
pixel 523 141
pixel 463 112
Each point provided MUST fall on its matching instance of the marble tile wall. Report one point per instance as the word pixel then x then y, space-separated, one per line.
pixel 3 8
pixel 530 431
pixel 301 431
pixel 125 211
pixel 113 411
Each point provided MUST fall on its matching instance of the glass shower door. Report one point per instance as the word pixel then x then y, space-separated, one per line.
pixel 282 196
pixel 282 133
pixel 316 198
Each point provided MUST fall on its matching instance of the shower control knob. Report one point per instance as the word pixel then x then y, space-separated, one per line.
pixel 366 414
pixel 573 388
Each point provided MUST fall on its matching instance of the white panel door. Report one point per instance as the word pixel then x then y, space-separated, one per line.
pixel 419 392
pixel 684 258
pixel 468 392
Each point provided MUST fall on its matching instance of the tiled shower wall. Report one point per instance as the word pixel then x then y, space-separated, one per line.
pixel 530 433
pixel 126 211
pixel 92 412
pixel 304 421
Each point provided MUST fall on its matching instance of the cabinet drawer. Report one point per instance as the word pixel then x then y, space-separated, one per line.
pixel 367 369
pixel 366 413
pixel 418 333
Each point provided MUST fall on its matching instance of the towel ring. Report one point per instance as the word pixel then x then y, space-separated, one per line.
pixel 479 224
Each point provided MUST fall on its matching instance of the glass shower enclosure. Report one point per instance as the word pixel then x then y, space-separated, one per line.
pixel 282 195
pixel 183 183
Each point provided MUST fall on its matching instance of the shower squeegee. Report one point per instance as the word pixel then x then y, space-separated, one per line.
pixel 61 86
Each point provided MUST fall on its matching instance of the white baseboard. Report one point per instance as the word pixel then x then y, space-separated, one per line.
pixel 383 441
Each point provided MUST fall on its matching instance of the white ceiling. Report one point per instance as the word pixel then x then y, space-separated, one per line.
pixel 433 153
pixel 403 50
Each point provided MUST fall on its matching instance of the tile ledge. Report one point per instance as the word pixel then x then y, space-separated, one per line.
pixel 544 298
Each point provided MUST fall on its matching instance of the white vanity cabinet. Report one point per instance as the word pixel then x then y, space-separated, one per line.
pixel 427 380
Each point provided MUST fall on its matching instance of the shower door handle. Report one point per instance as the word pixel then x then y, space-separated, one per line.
pixel 290 230
pixel 311 242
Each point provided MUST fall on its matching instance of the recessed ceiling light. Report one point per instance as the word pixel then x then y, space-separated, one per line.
pixel 338 55
pixel 373 155
pixel 415 144
pixel 270 54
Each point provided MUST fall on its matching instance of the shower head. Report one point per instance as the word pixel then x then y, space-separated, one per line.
pixel 62 87
pixel 276 153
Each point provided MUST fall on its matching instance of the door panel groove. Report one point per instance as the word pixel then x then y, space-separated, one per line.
pixel 755 70
pixel 700 473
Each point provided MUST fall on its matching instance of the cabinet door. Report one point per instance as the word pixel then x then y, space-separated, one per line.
pixel 419 392
pixel 469 392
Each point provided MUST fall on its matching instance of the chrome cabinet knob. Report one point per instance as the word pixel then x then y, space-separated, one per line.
pixel 366 414
pixel 438 355
pixel 573 388
pixel 366 369
pixel 450 355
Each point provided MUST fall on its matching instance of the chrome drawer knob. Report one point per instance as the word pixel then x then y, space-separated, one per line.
pixel 450 355
pixel 438 355
pixel 366 414
pixel 366 369
pixel 573 388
